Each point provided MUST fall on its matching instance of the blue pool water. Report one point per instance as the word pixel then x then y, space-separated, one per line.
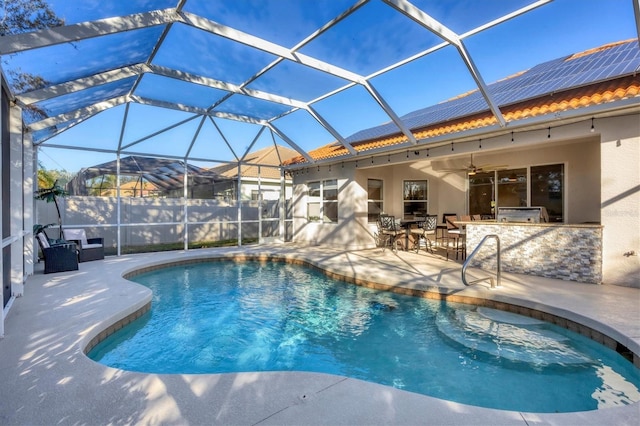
pixel 223 317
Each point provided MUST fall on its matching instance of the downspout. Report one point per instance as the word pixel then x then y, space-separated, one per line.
pixel 259 208
pixel 185 191
pixel 239 201
pixel 281 210
pixel 118 223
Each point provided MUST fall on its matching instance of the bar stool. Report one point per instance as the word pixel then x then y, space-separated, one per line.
pixel 455 238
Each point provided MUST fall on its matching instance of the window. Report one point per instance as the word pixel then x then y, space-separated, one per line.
pixel 267 194
pixel 547 190
pixel 482 194
pixel 375 204
pixel 526 187
pixel 415 198
pixel 313 202
pixel 512 188
pixel 322 201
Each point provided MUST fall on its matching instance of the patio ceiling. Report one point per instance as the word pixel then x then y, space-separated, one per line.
pixel 238 62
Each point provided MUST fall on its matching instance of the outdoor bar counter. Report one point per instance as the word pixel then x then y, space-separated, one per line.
pixel 552 250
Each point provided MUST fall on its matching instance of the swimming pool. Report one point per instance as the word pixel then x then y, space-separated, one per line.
pixel 219 317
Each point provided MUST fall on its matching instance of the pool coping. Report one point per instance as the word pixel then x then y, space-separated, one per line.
pixel 109 300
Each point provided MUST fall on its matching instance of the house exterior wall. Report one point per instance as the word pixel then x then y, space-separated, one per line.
pixel 620 199
pixel 601 186
pixel 270 187
pixel 350 230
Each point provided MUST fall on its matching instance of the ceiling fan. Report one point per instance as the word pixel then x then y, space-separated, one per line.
pixel 472 169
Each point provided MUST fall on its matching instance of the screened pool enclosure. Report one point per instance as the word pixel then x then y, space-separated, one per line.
pixel 195 87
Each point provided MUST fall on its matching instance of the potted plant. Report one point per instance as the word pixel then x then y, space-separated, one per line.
pixel 37 228
pixel 49 195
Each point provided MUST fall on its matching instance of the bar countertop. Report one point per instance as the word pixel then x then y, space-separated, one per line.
pixel 543 224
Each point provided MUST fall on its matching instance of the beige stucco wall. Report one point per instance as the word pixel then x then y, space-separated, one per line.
pixel 599 171
pixel 350 231
pixel 448 191
pixel 620 199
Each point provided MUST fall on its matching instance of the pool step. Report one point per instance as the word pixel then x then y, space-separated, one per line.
pixel 508 336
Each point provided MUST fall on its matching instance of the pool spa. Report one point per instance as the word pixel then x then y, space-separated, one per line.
pixel 226 316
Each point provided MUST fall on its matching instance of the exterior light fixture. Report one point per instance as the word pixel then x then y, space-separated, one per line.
pixel 549 133
pixel 593 129
pixel 511 137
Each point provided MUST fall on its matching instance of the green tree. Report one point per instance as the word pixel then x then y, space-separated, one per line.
pixel 45 177
pixel 21 16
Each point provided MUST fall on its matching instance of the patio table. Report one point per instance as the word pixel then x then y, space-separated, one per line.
pixel 406 225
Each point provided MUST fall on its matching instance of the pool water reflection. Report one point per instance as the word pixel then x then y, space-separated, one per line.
pixel 223 317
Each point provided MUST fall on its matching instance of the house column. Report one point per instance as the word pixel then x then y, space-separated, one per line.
pixel 29 179
pixel 620 199
pixel 16 200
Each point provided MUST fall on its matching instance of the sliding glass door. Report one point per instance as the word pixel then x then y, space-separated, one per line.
pixel 535 186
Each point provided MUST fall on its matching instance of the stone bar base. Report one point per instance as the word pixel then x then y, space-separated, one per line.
pixel 567 252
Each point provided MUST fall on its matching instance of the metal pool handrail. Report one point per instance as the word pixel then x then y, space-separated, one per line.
pixel 466 263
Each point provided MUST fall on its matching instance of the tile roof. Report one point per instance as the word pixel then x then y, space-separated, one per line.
pixel 618 84
pixel 272 155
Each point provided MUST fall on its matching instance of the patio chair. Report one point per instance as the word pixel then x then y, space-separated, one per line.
pixel 59 257
pixel 88 248
pixel 424 231
pixel 388 232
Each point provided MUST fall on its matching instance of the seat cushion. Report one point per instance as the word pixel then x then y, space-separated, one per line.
pixel 76 235
pixel 90 246
pixel 44 241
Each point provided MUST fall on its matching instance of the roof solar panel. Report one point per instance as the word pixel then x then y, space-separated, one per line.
pixel 552 76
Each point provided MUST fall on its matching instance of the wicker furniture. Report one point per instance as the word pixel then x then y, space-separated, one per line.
pixel 57 257
pixel 88 248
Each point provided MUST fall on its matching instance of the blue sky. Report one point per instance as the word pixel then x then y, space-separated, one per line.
pixel 373 37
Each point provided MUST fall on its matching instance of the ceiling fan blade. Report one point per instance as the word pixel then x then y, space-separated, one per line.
pixel 454 170
pixel 492 167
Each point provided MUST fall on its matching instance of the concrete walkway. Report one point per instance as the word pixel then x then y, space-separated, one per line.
pixel 46 379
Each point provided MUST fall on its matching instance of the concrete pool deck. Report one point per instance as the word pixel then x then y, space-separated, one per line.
pixel 46 378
